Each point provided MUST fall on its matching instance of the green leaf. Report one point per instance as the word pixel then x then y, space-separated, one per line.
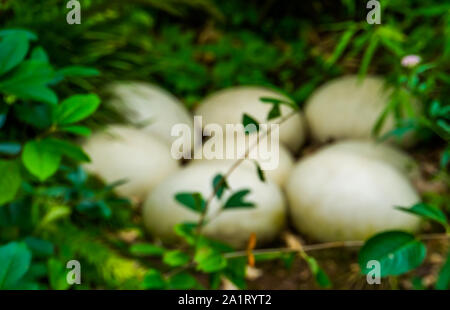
pixel 57 274
pixel 41 160
pixel 397 252
pixel 54 214
pixel 30 80
pixel 445 158
pixel 2 119
pixel 368 55
pixel 219 185
pixel 186 231
pixel 320 276
pixel 37 270
pixel 7 32
pixel 261 175
pixel 435 109
pixel 182 281
pixel 443 125
pixel 274 112
pixel 427 212
pixel 78 71
pixel 94 208
pixel 10 180
pixel 38 53
pixel 13 49
pixel 443 281
pixel 153 280
pixel 276 101
pixel 10 148
pixel 39 247
pixel 193 201
pixel 77 129
pixel 208 260
pixel 215 279
pixel 236 200
pixel 15 259
pixel 37 115
pixel 342 45
pixel 76 108
pixel 252 124
pixel 66 148
pixel 146 249
pixel 393 46
pixel 175 258
pixel 235 271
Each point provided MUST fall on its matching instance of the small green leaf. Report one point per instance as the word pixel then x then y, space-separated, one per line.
pixel 444 125
pixel 78 71
pixel 7 32
pixel 38 53
pixel 250 124
pixel 342 45
pixel 40 159
pixel 146 249
pixel 182 281
pixel 10 180
pixel 236 200
pixel 261 175
pixel 445 158
pixel 30 80
pixel 427 212
pixel 66 148
pixel 2 119
pixel 94 208
pixel 397 252
pixel 13 49
pixel 36 115
pixel 193 201
pixel 54 214
pixel 175 258
pixel 208 260
pixel 219 185
pixel 235 271
pixel 443 281
pixel 368 55
pixel 276 101
pixel 76 108
pixel 77 129
pixel 153 280
pixel 186 231
pixel 10 148
pixel 57 274
pixel 274 112
pixel 15 259
pixel 321 277
pixel 39 247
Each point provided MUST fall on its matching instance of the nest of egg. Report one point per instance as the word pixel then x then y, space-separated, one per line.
pixel 334 181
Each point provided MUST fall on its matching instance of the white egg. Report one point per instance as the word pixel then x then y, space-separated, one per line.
pixel 233 226
pixel 342 195
pixel 229 105
pixel 272 157
pixel 152 108
pixel 348 108
pixel 381 151
pixel 123 153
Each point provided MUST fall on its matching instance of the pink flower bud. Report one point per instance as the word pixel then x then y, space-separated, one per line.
pixel 410 61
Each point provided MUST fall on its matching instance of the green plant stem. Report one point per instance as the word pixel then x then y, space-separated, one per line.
pixel 302 251
pixel 234 167
pixel 325 246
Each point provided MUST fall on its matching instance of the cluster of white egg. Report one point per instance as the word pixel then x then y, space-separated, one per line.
pixel 347 190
